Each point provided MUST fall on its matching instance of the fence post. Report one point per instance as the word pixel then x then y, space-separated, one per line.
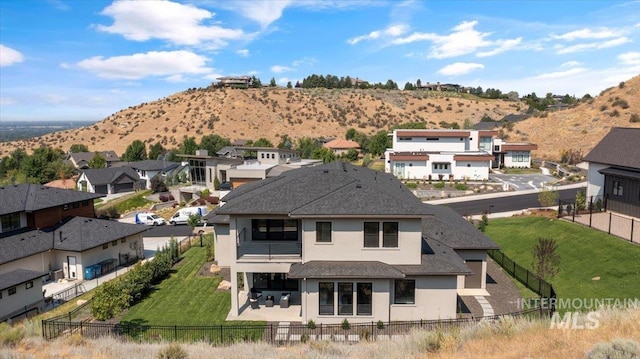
pixel 610 216
pixel 631 237
pixel 43 330
pixel 81 331
pixel 175 332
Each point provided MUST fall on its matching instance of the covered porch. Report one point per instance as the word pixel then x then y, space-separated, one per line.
pixel 272 313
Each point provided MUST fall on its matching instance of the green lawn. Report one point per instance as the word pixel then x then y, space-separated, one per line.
pixel 520 171
pixel 184 298
pixel 584 254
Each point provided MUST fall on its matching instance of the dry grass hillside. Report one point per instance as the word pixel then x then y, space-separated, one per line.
pixel 273 112
pixel 269 113
pixel 583 126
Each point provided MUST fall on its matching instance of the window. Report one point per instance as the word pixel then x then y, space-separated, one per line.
pixel 325 298
pixel 390 234
pixel 65 207
pixel 10 221
pixel 105 246
pixel 114 243
pixel 323 232
pixel 274 229
pixel 496 148
pixel 371 234
pixel 262 155
pixel 433 138
pixel 345 298
pixel 12 290
pixel 28 285
pixel 76 204
pixel 617 188
pixel 123 240
pixel 274 281
pixel 440 166
pixel 85 203
pixel 365 295
pixel 404 291
pixel 485 144
pixel 404 138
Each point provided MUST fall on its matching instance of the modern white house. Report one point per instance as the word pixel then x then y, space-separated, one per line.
pixel 614 171
pixel 346 242
pixel 452 154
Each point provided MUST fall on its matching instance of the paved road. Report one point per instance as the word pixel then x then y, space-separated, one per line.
pixel 524 181
pixel 505 204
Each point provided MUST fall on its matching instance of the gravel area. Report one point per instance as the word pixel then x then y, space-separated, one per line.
pixel 504 293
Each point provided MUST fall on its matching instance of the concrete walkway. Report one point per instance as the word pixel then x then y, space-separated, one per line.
pixel 487 309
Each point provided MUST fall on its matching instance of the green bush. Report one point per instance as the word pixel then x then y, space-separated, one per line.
pixel 439 185
pixel 311 324
pixel 411 185
pixel 618 348
pixel 345 324
pixel 380 325
pixel 10 336
pixel 461 187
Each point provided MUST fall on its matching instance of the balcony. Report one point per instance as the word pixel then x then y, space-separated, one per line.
pixel 252 251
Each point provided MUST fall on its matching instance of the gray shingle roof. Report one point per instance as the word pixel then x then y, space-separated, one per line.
pixel 31 197
pixel 153 165
pixel 333 189
pixel 451 229
pixel 109 156
pixel 620 147
pixel 341 269
pixel 437 259
pixel 102 176
pixel 213 218
pixel 76 234
pixel 18 276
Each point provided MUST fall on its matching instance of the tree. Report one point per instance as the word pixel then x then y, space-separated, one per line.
pixel 97 161
pixel 193 221
pixel 409 86
pixel 548 197
pixel 545 259
pixel 285 142
pixel 155 151
pixel 351 133
pixel 136 151
pixel 306 146
pixel 351 155
pixel 467 124
pixel 262 142
pixel 418 84
pixel 213 143
pixel 44 165
pixel 75 148
pixel 189 145
pixel 273 83
pixel 289 84
pixel 410 126
pixel 324 154
pixel 255 82
pixel 379 143
pixel 157 185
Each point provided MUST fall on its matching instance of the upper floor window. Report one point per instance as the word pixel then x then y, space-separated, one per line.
pixel 274 229
pixel 404 291
pixel 12 290
pixel 389 234
pixel 371 234
pixel 28 285
pixel 323 232
pixel 404 138
pixel 10 221
pixel 440 166
pixel 433 138
pixel 617 188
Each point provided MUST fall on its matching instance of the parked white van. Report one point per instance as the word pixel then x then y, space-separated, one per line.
pixel 150 219
pixel 182 215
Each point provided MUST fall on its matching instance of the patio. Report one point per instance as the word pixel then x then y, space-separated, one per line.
pixel 269 314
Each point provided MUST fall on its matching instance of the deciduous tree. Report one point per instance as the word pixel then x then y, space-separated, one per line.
pixel 136 151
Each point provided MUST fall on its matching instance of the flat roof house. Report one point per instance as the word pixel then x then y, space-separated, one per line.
pixel 614 171
pixel 346 242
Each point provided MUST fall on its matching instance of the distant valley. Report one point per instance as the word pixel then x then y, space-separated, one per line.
pixel 19 130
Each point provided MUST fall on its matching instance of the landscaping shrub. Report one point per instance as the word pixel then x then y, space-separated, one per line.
pixel 311 324
pixel 172 351
pixel 461 186
pixel 411 185
pixel 618 348
pixel 439 185
pixel 345 324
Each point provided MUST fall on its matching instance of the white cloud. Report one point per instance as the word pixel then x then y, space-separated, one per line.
pixel 391 31
pixel 561 74
pixel 165 20
pixel 175 78
pixel 560 50
pixel 630 58
pixel 570 64
pixel 304 61
pixel 279 69
pixel 141 65
pixel 9 56
pixel 463 39
pixel 243 52
pixel 460 68
pixel 6 101
pixel 602 33
pixel 264 12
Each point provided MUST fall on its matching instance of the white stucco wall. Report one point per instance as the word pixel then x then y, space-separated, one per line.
pixel 509 160
pixel 41 262
pixel 436 298
pixel 471 254
pixel 23 297
pixel 223 244
pixel 473 170
pixel 421 144
pixel 595 180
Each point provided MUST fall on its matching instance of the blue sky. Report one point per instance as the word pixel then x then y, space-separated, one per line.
pixel 84 60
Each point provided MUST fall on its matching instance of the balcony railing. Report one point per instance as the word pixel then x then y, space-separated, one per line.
pixel 263 250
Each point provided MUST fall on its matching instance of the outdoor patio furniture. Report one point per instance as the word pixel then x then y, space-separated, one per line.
pixel 254 303
pixel 284 300
pixel 268 302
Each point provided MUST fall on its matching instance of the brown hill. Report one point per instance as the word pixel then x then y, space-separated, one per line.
pixel 273 112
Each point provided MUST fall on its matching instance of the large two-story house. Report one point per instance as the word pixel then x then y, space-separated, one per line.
pixel 53 234
pixel 347 242
pixel 452 154
pixel 614 171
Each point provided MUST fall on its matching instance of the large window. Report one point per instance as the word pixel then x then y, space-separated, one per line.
pixel 390 234
pixel 617 189
pixel 274 281
pixel 365 296
pixel 440 166
pixel 323 232
pixel 198 174
pixel 485 144
pixel 404 291
pixel 371 234
pixel 10 221
pixel 345 298
pixel 325 293
pixel 274 229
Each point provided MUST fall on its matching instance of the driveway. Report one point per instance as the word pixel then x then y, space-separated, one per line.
pixel 523 181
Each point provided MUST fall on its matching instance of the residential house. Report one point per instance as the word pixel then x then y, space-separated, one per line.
pixel 148 169
pixel 109 180
pixel 235 81
pixel 53 233
pixel 452 154
pixel 340 146
pixel 80 160
pixel 614 171
pixel 65 183
pixel 347 242
pixel 204 170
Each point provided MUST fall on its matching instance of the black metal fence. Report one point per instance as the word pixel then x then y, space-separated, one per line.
pixel 524 276
pixel 273 333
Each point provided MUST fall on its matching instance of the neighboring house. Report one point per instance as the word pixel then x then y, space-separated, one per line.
pixel 148 169
pixel 614 171
pixel 347 243
pixel 65 183
pixel 230 152
pixel 235 81
pixel 452 154
pixel 80 160
pixel 204 170
pixel 53 233
pixel 109 180
pixel 340 146
pixel 17 288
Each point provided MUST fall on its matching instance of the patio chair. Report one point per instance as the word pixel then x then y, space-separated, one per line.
pixel 284 300
pixel 268 302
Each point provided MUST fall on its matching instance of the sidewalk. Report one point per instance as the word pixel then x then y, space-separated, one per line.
pixel 499 194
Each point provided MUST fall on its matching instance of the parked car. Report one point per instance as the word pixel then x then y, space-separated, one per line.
pixel 182 215
pixel 150 219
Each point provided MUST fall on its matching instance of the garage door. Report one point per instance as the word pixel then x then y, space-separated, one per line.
pixel 123 187
pixel 101 189
pixel 474 280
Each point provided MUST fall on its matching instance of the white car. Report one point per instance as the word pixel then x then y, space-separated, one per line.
pixel 150 219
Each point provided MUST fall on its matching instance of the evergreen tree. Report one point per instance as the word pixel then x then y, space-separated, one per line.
pixel 136 151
